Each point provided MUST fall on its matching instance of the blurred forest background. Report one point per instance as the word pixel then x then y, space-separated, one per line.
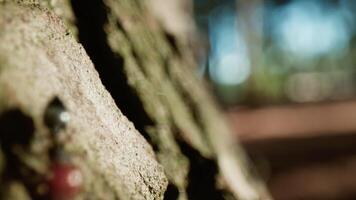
pixel 284 70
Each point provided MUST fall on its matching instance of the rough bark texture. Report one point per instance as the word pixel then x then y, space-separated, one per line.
pixel 42 61
pixel 149 73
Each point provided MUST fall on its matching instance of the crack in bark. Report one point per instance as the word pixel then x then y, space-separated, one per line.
pixel 202 175
pixel 91 19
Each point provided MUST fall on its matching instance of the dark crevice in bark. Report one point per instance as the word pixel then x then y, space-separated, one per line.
pixel 16 132
pixel 186 95
pixel 139 62
pixel 133 52
pixel 202 175
pixel 15 128
pixel 191 105
pixel 173 43
pixel 91 17
pixel 171 193
pixel 121 27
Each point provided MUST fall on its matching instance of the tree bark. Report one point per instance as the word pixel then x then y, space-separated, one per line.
pixel 148 72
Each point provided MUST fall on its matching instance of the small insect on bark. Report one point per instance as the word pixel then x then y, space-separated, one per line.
pixel 56 116
pixel 65 181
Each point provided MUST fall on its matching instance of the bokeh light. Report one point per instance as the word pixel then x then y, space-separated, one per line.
pixel 229 61
pixel 311 28
pixel 292 57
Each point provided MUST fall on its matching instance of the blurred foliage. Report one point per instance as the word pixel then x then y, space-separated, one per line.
pixel 301 52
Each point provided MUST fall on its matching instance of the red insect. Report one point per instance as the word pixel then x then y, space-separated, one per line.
pixel 65 181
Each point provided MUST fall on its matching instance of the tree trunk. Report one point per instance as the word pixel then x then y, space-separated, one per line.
pixel 147 71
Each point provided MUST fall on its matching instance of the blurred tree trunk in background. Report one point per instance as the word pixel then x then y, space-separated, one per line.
pixel 143 55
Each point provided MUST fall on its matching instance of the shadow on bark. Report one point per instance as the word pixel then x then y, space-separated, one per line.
pixel 91 17
pixel 202 176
